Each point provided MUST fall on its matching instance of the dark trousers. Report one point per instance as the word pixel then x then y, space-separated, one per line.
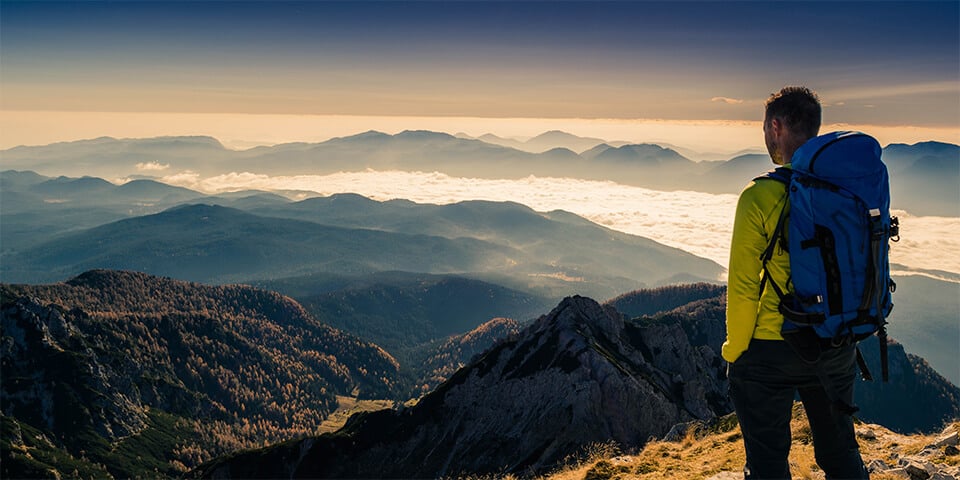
pixel 763 384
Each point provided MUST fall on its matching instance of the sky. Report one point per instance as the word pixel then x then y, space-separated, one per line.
pixel 307 71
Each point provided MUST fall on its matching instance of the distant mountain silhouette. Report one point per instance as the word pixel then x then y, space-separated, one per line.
pixel 731 176
pixel 111 157
pixel 645 155
pixel 923 187
pixel 551 253
pixel 555 138
pixel 608 262
pixel 219 244
pixel 925 177
pixel 35 208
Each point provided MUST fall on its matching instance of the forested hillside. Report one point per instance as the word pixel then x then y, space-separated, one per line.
pixel 116 356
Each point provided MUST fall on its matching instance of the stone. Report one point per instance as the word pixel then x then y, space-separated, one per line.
pixel 950 439
pixel 727 476
pixel 876 466
pixel 950 450
pixel 899 472
pixel 867 434
pixel 917 471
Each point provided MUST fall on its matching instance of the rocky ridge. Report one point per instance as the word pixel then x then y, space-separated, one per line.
pixel 577 376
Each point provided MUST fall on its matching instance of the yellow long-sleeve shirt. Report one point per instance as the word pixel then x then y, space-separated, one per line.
pixel 748 315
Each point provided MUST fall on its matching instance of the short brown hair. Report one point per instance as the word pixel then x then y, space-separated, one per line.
pixel 798 108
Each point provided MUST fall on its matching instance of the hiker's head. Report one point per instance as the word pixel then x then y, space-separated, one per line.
pixel 792 117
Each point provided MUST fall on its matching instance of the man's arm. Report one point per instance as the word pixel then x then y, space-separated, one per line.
pixel 743 273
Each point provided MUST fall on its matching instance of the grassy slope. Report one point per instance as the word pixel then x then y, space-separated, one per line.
pixel 704 453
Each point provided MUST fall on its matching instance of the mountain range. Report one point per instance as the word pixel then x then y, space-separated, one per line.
pixel 54 228
pixel 580 375
pixel 924 176
pixel 130 369
pixel 124 374
pixel 554 253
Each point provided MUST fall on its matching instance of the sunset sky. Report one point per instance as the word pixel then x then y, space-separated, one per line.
pixel 466 65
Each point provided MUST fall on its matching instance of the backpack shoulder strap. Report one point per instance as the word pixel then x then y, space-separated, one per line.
pixel 782 175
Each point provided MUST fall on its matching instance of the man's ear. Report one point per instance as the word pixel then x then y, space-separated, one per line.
pixel 776 127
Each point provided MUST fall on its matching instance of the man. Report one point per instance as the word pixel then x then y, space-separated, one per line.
pixel 765 373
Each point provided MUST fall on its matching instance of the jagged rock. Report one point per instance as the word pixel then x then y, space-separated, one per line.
pixel 917 471
pixel 575 377
pixel 929 463
pixel 943 476
pixel 45 357
pixel 950 439
pixel 877 465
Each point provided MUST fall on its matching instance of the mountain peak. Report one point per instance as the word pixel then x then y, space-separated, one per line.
pixel 555 135
pixel 424 135
pixel 577 376
pixel 578 314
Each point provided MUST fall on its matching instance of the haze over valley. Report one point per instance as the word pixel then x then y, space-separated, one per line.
pixel 546 236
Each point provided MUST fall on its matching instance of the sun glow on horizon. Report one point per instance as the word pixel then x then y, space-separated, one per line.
pixel 243 131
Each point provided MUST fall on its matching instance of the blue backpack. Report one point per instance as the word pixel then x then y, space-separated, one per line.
pixel 836 228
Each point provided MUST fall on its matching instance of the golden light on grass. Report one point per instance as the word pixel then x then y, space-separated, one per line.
pixel 705 452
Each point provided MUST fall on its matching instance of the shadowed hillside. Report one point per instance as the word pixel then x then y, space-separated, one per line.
pixel 117 358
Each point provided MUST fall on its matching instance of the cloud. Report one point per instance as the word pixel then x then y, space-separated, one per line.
pixel 188 179
pixel 700 223
pixel 894 90
pixel 152 166
pixel 727 100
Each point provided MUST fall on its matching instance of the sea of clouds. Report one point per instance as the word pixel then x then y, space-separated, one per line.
pixel 697 222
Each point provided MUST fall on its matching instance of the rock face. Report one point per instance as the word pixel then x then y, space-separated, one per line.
pixel 53 378
pixel 577 376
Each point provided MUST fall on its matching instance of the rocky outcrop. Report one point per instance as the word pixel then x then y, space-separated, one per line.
pixel 575 377
pixel 53 379
pixel 933 462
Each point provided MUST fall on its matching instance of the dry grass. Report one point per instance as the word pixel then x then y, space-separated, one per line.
pixel 702 453
pixel 349 406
